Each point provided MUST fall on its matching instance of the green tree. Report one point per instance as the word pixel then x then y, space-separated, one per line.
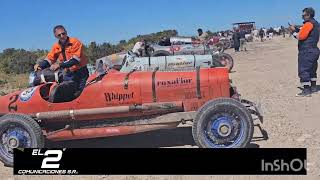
pixel 19 60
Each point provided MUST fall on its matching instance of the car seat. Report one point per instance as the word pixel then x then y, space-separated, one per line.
pixel 44 76
pixel 63 92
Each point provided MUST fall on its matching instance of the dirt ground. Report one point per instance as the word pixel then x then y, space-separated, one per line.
pixel 267 74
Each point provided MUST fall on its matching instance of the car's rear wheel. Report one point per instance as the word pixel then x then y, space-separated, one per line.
pixel 226 60
pixel 18 131
pixel 222 123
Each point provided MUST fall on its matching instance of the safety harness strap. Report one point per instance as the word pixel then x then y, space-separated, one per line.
pixel 154 95
pixel 198 83
pixel 126 79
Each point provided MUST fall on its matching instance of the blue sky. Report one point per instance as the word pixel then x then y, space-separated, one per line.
pixel 28 24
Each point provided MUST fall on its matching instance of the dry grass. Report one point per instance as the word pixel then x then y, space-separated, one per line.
pixel 12 82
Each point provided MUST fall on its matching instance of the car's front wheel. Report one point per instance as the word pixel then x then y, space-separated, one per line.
pixel 18 131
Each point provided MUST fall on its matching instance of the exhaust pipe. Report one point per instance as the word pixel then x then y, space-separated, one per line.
pixel 81 114
pixel 107 131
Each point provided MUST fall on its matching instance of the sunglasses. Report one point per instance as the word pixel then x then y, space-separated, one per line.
pixel 61 34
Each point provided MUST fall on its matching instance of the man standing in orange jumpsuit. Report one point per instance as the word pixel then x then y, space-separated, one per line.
pixel 308 56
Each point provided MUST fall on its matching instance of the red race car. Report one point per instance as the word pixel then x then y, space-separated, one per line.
pixel 115 103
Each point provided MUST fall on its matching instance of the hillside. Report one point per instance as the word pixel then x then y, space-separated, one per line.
pixel 16 64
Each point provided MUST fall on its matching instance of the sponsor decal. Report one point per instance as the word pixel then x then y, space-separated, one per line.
pixel 27 94
pixel 175 82
pixel 118 96
pixel 183 63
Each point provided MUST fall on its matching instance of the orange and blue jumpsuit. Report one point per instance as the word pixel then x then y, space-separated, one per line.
pixel 308 56
pixel 72 59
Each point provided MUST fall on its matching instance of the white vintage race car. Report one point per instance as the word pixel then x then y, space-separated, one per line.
pixel 128 62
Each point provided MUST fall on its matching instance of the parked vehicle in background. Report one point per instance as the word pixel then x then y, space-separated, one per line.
pixel 129 61
pixel 247 27
pixel 183 46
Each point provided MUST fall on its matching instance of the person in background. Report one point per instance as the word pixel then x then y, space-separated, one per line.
pixel 164 41
pixel 202 36
pixel 261 34
pixel 236 40
pixel 138 48
pixel 243 41
pixel 283 31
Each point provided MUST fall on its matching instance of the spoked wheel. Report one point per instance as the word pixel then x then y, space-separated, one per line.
pixel 226 60
pixel 18 131
pixel 226 42
pixel 219 47
pixel 223 123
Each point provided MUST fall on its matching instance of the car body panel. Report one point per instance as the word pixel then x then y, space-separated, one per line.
pixel 118 89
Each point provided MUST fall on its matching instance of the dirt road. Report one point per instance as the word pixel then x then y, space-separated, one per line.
pixel 266 73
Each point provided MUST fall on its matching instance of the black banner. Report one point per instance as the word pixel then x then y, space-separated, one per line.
pixel 193 161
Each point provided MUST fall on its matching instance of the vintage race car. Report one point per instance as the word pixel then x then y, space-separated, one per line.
pixel 115 103
pixel 129 61
pixel 172 63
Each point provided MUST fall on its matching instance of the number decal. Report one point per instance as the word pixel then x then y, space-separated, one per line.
pixel 12 106
pixel 51 159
